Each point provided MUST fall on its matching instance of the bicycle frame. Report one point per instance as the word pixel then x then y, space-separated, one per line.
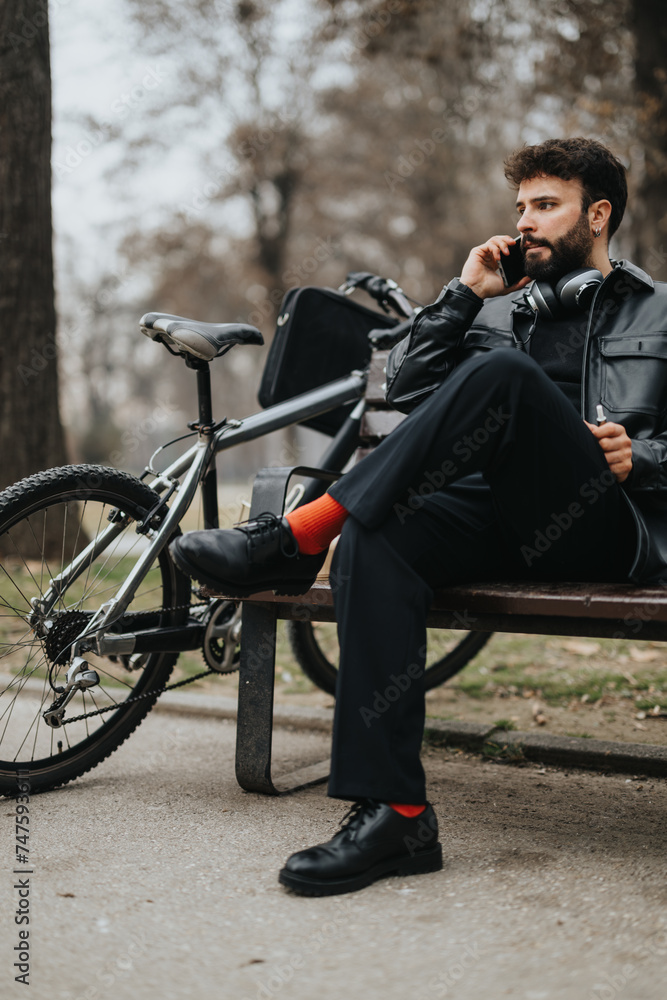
pixel 197 466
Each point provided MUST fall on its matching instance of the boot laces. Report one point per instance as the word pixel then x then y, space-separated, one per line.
pixel 263 528
pixel 353 815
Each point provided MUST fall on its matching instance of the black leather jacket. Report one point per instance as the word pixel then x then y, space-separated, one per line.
pixel 624 368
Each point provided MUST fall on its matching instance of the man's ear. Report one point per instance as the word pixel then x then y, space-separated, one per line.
pixel 599 213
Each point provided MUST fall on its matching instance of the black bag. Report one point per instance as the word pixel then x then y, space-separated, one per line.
pixel 321 335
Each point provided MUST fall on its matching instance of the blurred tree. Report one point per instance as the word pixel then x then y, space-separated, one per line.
pixel 31 436
pixel 649 25
pixel 411 158
pixel 370 134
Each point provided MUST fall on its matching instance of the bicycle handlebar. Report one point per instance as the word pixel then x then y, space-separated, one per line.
pixel 385 291
pixel 384 339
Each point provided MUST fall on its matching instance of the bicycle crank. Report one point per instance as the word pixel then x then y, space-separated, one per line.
pixel 222 637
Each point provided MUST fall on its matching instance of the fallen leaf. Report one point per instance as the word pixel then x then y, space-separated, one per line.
pixel 643 655
pixel 538 713
pixel 581 648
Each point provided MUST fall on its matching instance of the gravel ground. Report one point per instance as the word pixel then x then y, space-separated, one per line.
pixel 155 876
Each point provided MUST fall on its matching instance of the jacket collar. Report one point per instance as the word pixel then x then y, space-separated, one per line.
pixel 636 272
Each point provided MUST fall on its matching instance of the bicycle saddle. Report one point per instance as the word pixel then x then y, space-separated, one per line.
pixel 202 340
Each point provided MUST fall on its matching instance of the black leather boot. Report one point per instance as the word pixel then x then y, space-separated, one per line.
pixel 261 554
pixel 374 841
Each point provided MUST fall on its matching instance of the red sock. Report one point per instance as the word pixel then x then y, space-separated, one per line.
pixel 316 524
pixel 409 811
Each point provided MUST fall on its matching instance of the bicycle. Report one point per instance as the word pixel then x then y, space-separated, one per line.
pixel 93 612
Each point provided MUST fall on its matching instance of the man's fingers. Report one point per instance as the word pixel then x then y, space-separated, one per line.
pixel 497 246
pixel 616 445
pixel 605 432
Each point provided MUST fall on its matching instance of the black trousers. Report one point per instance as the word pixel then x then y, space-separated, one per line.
pixel 494 476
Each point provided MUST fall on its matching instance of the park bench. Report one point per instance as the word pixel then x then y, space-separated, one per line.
pixel 570 609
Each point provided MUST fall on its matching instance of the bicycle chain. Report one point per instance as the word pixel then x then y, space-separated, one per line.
pixel 138 697
pixel 147 694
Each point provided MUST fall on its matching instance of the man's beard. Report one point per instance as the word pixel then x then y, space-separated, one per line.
pixel 568 253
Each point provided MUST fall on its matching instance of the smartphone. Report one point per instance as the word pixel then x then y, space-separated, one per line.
pixel 512 266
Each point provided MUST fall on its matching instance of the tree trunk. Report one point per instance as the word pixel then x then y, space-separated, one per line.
pixel 647 20
pixel 31 435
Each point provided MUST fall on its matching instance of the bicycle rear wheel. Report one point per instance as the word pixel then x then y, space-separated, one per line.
pixel 315 648
pixel 46 521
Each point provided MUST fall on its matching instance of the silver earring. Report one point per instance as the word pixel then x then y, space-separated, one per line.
pixel 598 231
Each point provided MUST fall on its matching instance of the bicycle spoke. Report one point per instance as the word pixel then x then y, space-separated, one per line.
pixel 61 563
pixel 10 707
pixel 34 742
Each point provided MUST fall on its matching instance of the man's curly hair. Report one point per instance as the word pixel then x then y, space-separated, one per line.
pixel 602 175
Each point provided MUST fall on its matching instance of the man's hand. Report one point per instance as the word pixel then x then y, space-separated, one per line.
pixel 617 447
pixel 480 272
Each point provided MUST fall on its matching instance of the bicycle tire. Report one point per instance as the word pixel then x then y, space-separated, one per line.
pixel 44 521
pixel 306 641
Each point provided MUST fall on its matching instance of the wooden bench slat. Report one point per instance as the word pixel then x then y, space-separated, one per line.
pixel 377 377
pixel 376 424
pixel 566 600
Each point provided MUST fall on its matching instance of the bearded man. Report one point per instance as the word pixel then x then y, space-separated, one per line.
pixel 535 448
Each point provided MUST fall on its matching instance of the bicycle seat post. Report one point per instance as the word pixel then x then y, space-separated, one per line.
pixel 209 486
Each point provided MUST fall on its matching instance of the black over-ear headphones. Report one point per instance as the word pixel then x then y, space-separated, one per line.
pixel 574 291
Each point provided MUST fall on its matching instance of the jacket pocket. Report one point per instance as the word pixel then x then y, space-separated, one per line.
pixel 634 372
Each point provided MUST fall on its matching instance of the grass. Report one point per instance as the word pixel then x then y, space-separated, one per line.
pixel 505 724
pixel 544 667
pixel 511 753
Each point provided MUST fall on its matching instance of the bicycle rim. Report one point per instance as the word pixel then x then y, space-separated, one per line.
pixel 315 648
pixel 45 523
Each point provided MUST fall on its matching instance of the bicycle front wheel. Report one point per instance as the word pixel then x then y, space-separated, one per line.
pixel 315 648
pixel 49 524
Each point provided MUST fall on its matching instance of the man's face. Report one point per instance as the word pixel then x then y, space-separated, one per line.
pixel 556 234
